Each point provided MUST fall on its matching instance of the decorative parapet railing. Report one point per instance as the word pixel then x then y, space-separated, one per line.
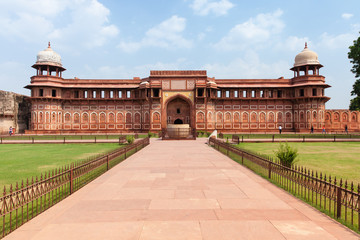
pixel 336 198
pixel 26 200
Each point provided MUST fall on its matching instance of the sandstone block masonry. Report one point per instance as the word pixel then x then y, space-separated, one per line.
pixel 14 111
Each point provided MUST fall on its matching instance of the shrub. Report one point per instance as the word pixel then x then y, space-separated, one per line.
pixel 286 154
pixel 130 139
pixel 149 134
pixel 208 134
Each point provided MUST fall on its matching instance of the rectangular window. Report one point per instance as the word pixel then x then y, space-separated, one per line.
pixel 111 94
pixel 279 94
pixel 227 93
pixel 218 93
pixel 128 94
pixel 120 94
pixel 53 93
pixel 102 94
pixel 41 92
pixel 178 110
pixel 156 92
pixel 200 92
pixel 270 94
pixel 253 93
pixel 85 94
pixel 262 94
pixel 244 94
pixel 322 92
pixel 314 92
pixel 236 93
pixel 76 94
pixel 94 94
pixel 301 92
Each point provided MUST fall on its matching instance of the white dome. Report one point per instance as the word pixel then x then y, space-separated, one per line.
pixel 48 56
pixel 306 57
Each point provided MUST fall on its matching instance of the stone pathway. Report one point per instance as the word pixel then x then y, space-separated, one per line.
pixel 181 190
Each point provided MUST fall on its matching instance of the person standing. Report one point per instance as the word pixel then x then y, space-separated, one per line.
pixel 10 131
pixel 280 129
pixel 346 129
pixel 324 131
pixel 312 129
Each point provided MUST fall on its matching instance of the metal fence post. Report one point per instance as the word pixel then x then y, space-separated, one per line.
pixel 334 138
pixel 269 174
pixel 303 138
pixel 242 139
pixel 338 202
pixel 107 162
pixel 71 179
pixel 95 139
pixel 242 158
pixel 273 138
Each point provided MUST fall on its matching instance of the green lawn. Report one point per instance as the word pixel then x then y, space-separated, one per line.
pixel 338 159
pixel 21 161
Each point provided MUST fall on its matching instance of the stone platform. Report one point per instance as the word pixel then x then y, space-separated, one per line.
pixel 181 190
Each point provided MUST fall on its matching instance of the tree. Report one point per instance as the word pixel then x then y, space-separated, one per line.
pixel 354 56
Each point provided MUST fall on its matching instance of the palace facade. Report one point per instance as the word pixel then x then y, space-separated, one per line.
pixel 60 105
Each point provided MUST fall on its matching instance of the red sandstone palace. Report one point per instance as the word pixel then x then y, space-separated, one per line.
pixel 61 105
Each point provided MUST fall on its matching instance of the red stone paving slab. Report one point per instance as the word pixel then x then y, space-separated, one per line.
pixel 181 190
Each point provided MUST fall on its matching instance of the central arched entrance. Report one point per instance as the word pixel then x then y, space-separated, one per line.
pixel 178 112
pixel 178 118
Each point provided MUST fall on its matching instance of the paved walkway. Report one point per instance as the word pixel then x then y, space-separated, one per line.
pixel 181 190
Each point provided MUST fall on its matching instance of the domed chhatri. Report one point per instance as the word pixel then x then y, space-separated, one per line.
pixel 306 57
pixel 49 57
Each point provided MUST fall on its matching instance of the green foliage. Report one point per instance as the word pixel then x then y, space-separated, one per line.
pixel 286 154
pixel 130 139
pixel 354 56
pixel 150 134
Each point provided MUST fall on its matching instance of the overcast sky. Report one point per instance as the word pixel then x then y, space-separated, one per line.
pixel 228 38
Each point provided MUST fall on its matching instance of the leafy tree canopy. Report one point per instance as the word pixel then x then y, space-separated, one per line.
pixel 354 56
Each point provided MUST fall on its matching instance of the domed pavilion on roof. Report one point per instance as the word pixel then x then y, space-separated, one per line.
pixel 189 97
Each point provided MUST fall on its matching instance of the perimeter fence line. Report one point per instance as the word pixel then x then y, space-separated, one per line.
pixel 23 202
pixel 337 198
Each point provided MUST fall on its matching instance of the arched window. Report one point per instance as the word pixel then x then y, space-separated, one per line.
pixel 219 117
pixel 67 118
pixel 237 117
pixel 200 117
pixel 119 118
pixel 227 117
pixel 111 118
pixel 76 118
pixel 245 117
pixel 85 118
pixel 262 117
pixel 156 117
pixel 102 118
pixel 93 118
pixel 137 117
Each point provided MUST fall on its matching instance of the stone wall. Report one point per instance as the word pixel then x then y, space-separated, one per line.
pixel 14 111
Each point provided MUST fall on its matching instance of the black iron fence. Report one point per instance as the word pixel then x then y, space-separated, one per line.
pixel 337 198
pixel 21 203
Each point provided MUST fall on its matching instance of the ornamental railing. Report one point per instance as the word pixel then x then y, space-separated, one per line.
pixel 337 198
pixel 21 203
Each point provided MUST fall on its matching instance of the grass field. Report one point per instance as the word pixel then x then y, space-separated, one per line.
pixel 338 159
pixel 21 161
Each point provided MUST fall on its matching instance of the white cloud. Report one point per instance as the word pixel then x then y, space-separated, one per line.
pixel 64 21
pixel 343 40
pixel 167 34
pixel 248 67
pixel 293 43
pixel 256 30
pixel 347 15
pixel 205 7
